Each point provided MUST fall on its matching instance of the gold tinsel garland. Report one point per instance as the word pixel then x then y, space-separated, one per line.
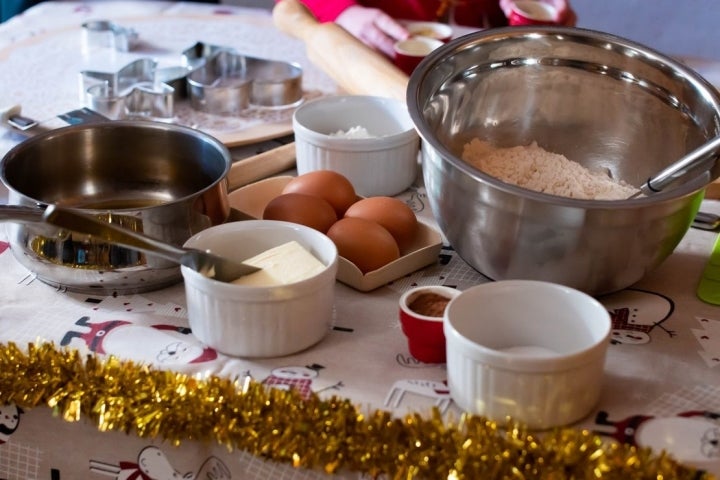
pixel 329 434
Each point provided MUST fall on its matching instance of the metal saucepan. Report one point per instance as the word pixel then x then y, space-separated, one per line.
pixel 166 181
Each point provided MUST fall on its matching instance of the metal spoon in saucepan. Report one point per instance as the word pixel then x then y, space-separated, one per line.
pixel 212 266
pixel 679 168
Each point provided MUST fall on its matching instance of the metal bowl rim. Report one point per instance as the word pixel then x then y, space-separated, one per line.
pixel 122 124
pixel 466 41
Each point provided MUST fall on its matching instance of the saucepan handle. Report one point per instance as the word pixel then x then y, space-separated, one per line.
pixel 21 214
pixel 89 225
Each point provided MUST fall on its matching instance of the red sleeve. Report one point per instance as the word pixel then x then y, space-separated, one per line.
pixel 327 10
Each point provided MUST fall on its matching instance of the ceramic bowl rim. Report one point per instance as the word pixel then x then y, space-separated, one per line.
pixel 406 132
pixel 528 363
pixel 227 290
pixel 444 290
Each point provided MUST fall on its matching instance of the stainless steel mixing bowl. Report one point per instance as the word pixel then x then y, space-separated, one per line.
pixel 602 101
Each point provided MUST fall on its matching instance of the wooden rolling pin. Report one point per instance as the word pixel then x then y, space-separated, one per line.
pixel 355 67
pixel 262 165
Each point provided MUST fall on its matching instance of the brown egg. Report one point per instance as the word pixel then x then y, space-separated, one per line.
pixel 366 244
pixel 308 210
pixel 334 187
pixel 393 214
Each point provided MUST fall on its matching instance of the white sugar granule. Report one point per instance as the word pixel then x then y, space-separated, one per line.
pixel 353 132
pixel 535 168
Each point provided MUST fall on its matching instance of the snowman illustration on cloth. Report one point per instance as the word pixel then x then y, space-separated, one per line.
pixel 294 377
pixel 433 390
pixel 159 344
pixel 15 455
pixel 153 464
pixel 708 337
pixel 635 313
pixel 692 437
pixel 9 420
pixel 297 378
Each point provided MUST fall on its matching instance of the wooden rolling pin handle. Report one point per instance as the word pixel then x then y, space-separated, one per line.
pixel 355 67
pixel 262 165
pixel 294 19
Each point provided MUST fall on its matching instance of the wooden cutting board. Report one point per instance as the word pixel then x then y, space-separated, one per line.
pixel 41 71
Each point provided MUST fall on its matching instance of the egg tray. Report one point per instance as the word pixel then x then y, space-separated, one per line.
pixel 424 250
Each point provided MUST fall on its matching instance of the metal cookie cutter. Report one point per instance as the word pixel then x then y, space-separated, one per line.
pixel 104 33
pixel 228 83
pixel 195 57
pixel 132 92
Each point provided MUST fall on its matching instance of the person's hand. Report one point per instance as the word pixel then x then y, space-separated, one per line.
pixel 565 15
pixel 373 27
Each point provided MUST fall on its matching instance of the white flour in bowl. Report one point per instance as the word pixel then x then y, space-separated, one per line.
pixel 535 168
pixel 353 132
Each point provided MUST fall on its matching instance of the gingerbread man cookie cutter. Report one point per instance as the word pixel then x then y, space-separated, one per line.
pixel 137 90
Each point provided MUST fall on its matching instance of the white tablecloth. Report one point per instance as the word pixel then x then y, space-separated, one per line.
pixel 664 365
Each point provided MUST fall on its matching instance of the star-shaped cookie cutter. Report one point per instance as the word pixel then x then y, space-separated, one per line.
pixel 137 90
pixel 225 82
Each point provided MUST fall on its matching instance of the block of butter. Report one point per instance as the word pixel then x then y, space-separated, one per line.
pixel 286 263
